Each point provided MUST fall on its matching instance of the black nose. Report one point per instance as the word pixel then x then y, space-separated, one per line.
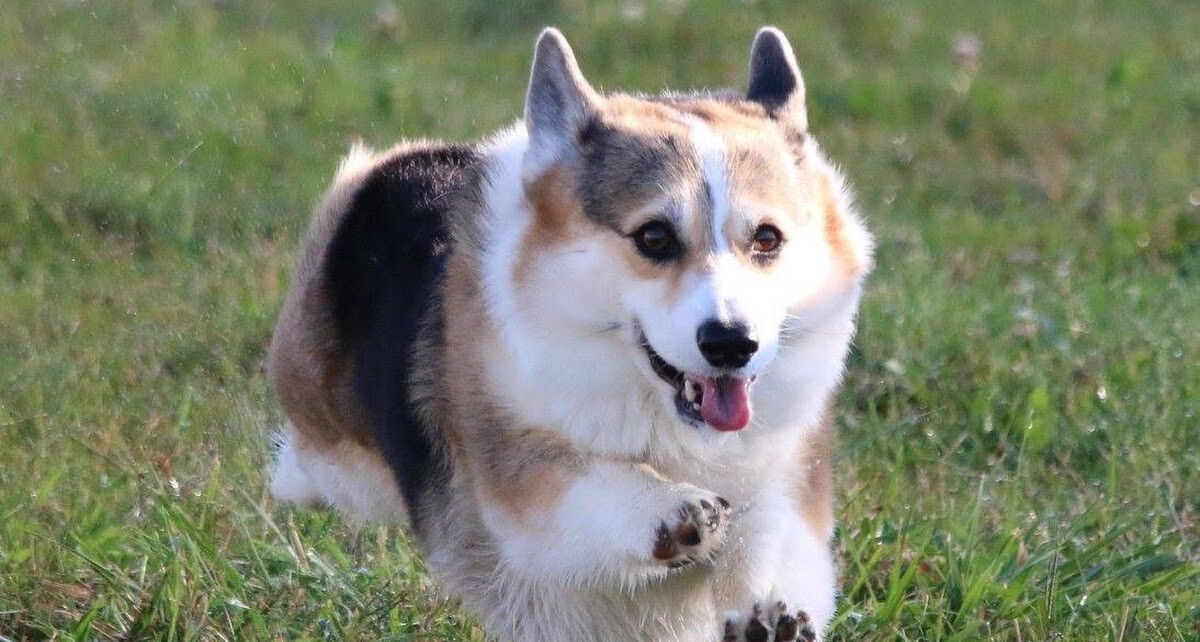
pixel 726 346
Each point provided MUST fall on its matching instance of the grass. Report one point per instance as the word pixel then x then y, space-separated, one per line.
pixel 1019 431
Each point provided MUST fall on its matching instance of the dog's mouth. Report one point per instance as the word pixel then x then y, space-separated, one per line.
pixel 722 402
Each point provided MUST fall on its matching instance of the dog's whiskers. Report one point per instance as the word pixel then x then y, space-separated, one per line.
pixel 612 326
pixel 787 330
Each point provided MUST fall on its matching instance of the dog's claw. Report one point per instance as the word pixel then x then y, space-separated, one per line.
pixel 730 632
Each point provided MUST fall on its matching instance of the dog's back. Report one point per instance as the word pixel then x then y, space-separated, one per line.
pixel 367 278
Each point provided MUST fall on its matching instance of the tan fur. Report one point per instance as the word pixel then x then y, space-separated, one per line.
pixel 747 160
pixel 658 118
pixel 813 491
pixel 835 229
pixel 723 113
pixel 527 471
pixel 555 211
pixel 308 369
pixel 467 333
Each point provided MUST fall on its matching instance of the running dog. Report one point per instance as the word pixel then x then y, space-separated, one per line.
pixel 589 360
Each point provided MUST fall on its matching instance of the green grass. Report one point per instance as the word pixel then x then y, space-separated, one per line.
pixel 1020 436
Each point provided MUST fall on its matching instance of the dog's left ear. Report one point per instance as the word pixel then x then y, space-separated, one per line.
pixel 775 81
pixel 559 101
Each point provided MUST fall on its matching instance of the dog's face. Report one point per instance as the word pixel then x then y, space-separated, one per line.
pixel 705 233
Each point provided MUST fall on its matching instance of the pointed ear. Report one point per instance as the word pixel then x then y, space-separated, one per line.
pixel 775 81
pixel 559 101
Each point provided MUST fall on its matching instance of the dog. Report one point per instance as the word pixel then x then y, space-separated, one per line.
pixel 589 360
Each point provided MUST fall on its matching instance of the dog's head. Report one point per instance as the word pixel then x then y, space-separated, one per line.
pixel 705 232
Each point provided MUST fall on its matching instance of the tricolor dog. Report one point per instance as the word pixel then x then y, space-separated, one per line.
pixel 590 359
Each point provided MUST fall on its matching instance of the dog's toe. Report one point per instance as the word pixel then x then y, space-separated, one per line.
pixel 805 630
pixel 756 629
pixel 786 624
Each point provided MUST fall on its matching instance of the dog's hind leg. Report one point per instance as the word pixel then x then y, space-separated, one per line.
pixel 289 482
pixel 346 476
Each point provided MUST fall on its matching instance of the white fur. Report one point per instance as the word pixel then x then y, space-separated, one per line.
pixel 608 516
pixel 712 163
pixel 289 482
pixel 355 481
pixel 786 560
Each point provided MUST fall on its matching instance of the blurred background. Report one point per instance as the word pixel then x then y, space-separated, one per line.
pixel 1019 431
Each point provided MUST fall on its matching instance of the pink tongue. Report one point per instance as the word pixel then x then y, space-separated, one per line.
pixel 725 404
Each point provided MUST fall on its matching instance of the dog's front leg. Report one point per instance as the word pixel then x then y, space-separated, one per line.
pixel 792 598
pixel 589 521
pixel 788 588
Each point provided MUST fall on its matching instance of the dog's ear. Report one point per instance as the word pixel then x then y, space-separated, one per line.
pixel 559 101
pixel 775 81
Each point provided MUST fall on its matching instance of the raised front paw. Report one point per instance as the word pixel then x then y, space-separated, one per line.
pixel 693 532
pixel 778 623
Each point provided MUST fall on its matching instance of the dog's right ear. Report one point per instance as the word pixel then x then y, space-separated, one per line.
pixel 559 101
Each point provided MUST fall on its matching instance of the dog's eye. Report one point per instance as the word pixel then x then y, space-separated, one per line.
pixel 767 239
pixel 656 241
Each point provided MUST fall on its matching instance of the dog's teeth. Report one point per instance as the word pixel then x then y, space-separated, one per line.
pixel 690 390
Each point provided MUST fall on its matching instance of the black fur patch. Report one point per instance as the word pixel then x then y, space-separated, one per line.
pixel 772 78
pixel 383 270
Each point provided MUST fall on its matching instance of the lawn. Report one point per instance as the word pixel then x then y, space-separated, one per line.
pixel 1019 433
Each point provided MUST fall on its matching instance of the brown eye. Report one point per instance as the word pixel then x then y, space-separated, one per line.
pixel 657 241
pixel 767 239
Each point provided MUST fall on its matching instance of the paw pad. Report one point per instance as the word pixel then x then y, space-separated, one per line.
pixel 693 533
